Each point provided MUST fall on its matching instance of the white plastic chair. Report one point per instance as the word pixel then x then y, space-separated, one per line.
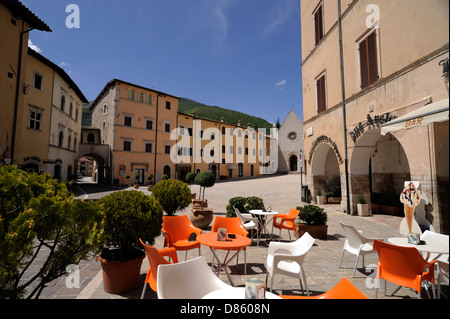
pixel 287 259
pixel 191 279
pixel 436 238
pixel 249 222
pixel 442 274
pixel 404 227
pixel 356 244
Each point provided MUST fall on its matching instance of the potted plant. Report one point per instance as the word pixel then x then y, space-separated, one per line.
pixel 334 196
pixel 320 198
pixel 129 216
pixel 149 179
pixel 362 207
pixel 172 194
pixel 190 177
pixel 127 177
pixel 313 220
pixel 136 184
pixel 201 216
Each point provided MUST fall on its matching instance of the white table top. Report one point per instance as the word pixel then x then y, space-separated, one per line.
pixel 234 293
pixel 434 248
pixel 260 212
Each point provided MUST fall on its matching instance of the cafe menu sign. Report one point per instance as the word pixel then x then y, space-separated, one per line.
pixel 375 122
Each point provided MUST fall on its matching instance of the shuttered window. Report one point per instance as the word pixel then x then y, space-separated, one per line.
pixel 321 97
pixel 318 24
pixel 368 60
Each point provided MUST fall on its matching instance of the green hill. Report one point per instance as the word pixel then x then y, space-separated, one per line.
pixel 215 113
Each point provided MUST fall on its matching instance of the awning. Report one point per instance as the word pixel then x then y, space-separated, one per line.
pixel 428 114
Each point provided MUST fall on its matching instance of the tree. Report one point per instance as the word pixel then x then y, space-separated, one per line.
pixel 173 195
pixel 38 214
pixel 204 179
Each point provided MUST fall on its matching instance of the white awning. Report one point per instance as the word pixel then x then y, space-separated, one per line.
pixel 428 114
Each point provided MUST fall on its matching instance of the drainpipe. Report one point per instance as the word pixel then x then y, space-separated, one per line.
pixel 344 117
pixel 16 102
pixel 156 138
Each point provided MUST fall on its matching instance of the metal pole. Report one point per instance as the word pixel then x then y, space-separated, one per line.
pixel 347 186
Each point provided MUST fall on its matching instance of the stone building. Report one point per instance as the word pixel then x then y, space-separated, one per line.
pixel 290 144
pixel 380 61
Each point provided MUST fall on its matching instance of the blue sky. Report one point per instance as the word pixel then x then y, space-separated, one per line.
pixel 244 55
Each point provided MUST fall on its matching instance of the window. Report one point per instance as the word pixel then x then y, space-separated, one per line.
pixel 167 105
pixel 321 97
pixel 126 145
pixel 69 143
pixel 105 109
pixel 127 121
pixel 139 97
pixel 148 147
pixel 130 95
pixel 91 138
pixel 167 127
pixel 63 103
pixel 147 99
pixel 368 60
pixel 60 139
pixel 167 149
pixel 71 110
pixel 35 119
pixel 318 24
pixel 149 124
pixel 37 81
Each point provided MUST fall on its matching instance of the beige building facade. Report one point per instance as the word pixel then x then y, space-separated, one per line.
pixel 136 123
pixel 393 57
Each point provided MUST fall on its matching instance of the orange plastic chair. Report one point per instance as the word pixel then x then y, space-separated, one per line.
pixel 156 258
pixel 343 290
pixel 233 226
pixel 286 221
pixel 177 231
pixel 402 266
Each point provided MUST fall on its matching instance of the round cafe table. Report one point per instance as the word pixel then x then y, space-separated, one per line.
pixel 427 247
pixel 262 222
pixel 234 293
pixel 235 244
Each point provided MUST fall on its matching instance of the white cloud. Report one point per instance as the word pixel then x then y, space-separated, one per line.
pixel 34 47
pixel 283 11
pixel 281 83
pixel 64 64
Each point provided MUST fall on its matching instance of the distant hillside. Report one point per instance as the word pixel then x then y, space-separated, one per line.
pixel 216 113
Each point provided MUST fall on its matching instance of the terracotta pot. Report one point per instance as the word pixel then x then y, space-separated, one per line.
pixel 197 203
pixel 121 276
pixel 316 231
pixel 201 218
pixel 193 195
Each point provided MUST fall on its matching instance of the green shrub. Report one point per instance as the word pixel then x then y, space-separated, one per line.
pixel 190 177
pixel 36 213
pixel 130 215
pixel 244 204
pixel 312 215
pixel 173 195
pixel 164 177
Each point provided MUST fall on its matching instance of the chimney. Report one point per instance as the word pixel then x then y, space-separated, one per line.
pixel 222 120
pixel 239 123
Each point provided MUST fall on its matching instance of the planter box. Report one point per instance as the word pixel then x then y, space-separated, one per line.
pixel 391 210
pixel 363 209
pixel 316 231
pixel 321 200
pixel 376 208
pixel 334 200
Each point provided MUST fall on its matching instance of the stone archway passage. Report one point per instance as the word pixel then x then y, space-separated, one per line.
pixel 325 170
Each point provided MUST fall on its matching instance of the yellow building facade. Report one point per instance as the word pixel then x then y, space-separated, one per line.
pixel 16 21
pixel 228 151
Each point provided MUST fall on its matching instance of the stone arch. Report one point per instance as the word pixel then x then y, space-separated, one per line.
pixel 325 170
pixel 378 164
pixel 100 171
